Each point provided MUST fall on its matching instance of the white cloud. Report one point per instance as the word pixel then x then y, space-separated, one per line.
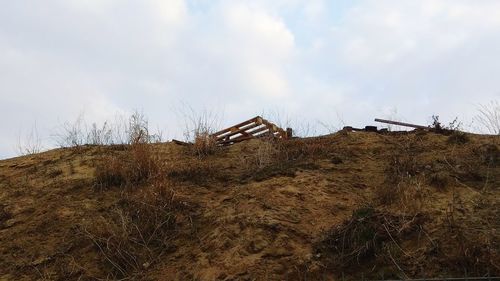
pixel 423 57
pixel 313 58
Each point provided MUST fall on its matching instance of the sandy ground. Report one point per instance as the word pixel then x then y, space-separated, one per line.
pixel 249 224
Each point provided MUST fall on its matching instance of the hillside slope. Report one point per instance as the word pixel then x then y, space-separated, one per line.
pixel 379 205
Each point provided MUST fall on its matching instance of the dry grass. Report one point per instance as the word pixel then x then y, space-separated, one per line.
pixel 198 131
pixel 408 196
pixel 204 144
pixel 198 171
pixel 403 185
pixel 458 137
pixel 367 236
pixel 272 157
pixel 138 232
pixel 4 215
pixel 138 164
pixel 439 179
pixel 473 249
pixel 488 154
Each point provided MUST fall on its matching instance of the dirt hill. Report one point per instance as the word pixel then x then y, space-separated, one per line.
pixel 351 204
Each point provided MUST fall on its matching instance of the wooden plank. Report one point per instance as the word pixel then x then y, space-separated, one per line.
pixel 274 127
pixel 401 124
pixel 235 140
pixel 255 119
pixel 241 130
pixel 252 134
pixel 181 142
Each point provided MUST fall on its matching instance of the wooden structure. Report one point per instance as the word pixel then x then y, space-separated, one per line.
pixel 256 127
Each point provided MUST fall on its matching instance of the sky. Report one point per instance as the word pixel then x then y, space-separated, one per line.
pixel 317 64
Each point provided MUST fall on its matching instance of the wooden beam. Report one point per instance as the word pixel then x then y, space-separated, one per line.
pixel 181 142
pixel 255 119
pixel 401 124
pixel 241 130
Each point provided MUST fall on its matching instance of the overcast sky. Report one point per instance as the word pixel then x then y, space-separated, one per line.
pixel 308 60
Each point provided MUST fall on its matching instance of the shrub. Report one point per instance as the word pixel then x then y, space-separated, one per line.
pixel 100 135
pixel 454 126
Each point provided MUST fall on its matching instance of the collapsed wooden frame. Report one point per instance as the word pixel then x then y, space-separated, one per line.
pixel 256 127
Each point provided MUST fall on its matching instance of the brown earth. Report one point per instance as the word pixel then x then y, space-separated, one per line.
pixel 260 211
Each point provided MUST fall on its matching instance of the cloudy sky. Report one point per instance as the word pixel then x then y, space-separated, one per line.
pixel 334 61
